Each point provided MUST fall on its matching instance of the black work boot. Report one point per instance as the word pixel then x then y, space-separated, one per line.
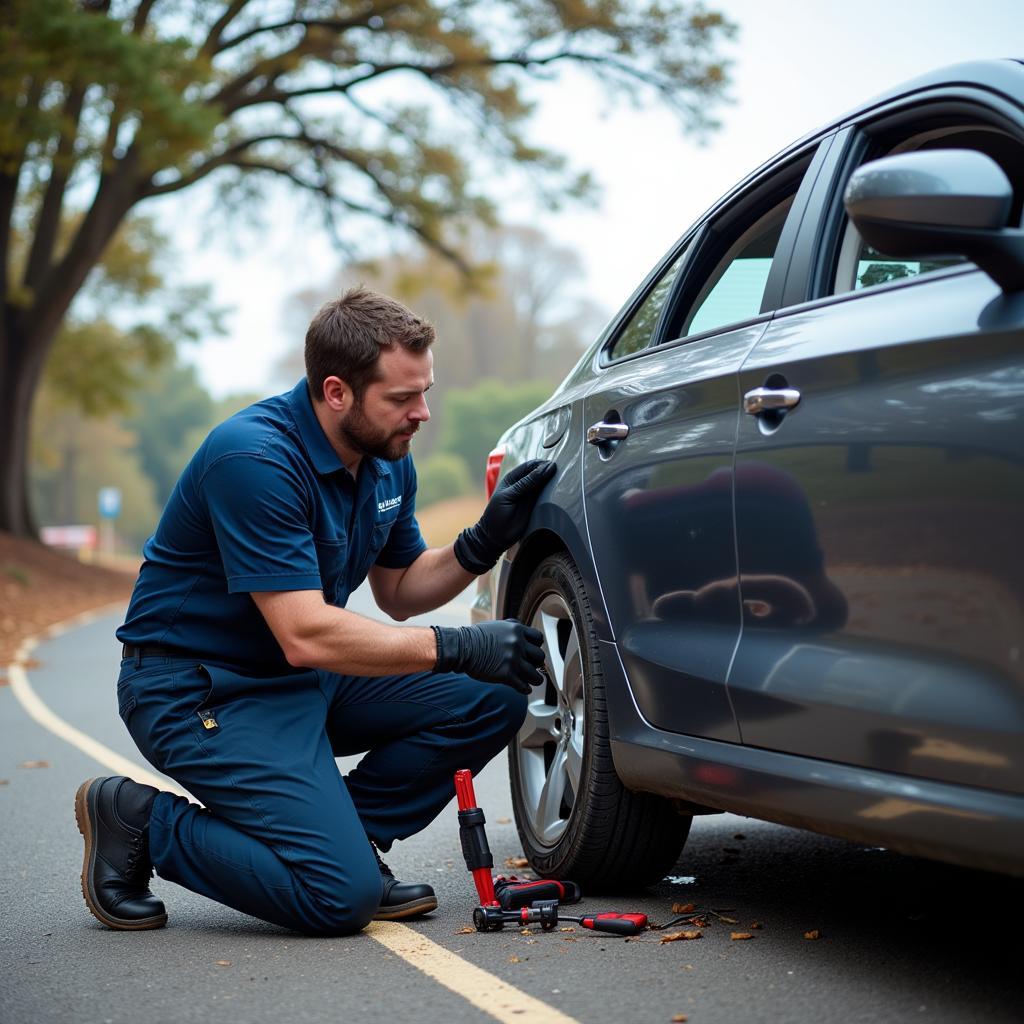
pixel 402 899
pixel 113 817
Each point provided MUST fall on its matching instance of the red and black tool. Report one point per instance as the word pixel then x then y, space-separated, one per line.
pixel 545 913
pixel 510 893
pixel 514 893
pixel 514 900
pixel 474 839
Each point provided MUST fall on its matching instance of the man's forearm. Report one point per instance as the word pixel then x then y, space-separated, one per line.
pixel 431 581
pixel 313 634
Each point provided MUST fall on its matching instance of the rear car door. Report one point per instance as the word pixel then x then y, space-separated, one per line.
pixel 879 519
pixel 657 467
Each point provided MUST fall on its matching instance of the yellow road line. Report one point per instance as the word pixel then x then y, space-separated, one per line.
pixel 479 987
pixel 485 991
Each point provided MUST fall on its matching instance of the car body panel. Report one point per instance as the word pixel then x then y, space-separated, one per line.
pixel 659 516
pixel 890 500
pixel 854 665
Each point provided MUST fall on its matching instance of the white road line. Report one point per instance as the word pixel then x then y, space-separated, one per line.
pixel 484 990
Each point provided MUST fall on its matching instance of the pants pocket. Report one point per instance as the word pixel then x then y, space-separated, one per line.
pixel 126 702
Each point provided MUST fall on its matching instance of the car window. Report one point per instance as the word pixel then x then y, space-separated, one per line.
pixel 735 288
pixel 859 266
pixel 636 335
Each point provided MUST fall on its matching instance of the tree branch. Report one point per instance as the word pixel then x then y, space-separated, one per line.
pixel 48 221
pixel 233 9
pixel 12 164
pixel 225 158
pixel 338 25
pixel 142 16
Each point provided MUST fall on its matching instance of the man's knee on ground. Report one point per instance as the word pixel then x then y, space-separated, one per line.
pixel 345 913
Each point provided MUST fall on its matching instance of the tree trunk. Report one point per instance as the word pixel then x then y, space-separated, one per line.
pixel 28 334
pixel 21 366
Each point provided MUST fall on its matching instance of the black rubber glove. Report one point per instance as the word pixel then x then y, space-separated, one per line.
pixel 504 651
pixel 504 521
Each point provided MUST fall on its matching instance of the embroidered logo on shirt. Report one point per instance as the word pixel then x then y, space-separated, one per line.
pixel 389 503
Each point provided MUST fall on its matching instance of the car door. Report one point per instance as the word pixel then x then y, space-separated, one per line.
pixel 879 518
pixel 657 464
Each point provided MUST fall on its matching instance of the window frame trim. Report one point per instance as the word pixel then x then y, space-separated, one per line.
pixel 721 221
pixel 818 243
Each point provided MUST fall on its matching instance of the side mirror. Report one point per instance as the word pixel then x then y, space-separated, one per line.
pixel 943 202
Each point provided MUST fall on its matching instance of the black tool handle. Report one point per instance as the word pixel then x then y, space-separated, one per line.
pixel 514 892
pixel 474 839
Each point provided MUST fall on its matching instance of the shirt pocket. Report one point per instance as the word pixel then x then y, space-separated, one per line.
pixel 378 538
pixel 331 556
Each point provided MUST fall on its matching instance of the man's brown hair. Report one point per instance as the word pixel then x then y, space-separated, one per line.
pixel 346 336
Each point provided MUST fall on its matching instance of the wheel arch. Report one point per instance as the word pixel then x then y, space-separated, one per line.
pixel 555 530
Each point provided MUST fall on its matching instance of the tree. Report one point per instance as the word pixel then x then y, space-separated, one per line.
pixel 107 103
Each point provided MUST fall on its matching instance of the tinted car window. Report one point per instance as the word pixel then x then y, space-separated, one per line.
pixel 860 266
pixel 638 331
pixel 735 289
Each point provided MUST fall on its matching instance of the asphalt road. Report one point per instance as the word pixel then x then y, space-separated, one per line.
pixel 900 939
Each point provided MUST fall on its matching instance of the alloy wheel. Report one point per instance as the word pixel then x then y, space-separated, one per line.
pixel 549 746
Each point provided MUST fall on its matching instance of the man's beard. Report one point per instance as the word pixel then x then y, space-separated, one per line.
pixel 360 434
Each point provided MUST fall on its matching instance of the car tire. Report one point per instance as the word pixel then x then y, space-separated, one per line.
pixel 575 818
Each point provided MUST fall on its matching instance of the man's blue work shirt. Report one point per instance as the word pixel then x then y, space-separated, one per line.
pixel 266 504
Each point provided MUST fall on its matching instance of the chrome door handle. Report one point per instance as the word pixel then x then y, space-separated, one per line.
pixel 601 432
pixel 766 399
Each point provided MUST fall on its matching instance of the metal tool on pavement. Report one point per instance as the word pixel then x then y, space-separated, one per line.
pixel 504 900
pixel 545 913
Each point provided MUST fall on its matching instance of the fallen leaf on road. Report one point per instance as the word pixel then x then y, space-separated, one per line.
pixel 681 936
pixel 465 931
pixel 502 821
pixel 514 960
pixel 34 764
pixel 567 929
pixel 756 924
pixel 683 908
pixel 221 963
pixel 815 933
pixel 727 920
pixel 677 1018
pixel 516 862
pixel 740 936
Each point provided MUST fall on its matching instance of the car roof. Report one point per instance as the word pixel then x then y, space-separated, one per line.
pixel 1004 76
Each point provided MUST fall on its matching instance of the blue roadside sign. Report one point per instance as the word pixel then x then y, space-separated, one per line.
pixel 109 499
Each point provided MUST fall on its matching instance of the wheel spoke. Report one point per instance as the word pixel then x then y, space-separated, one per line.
pixel 549 810
pixel 553 660
pixel 572 687
pixel 539 727
pixel 574 760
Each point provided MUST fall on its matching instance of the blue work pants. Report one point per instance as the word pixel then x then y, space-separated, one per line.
pixel 282 835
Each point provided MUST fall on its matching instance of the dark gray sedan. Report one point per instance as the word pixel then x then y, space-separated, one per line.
pixel 781 569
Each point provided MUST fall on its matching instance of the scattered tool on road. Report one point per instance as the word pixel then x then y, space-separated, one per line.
pixel 545 913
pixel 518 901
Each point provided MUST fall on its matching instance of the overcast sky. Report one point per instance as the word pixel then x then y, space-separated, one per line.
pixel 797 64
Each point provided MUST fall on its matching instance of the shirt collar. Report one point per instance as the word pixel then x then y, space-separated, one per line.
pixel 324 458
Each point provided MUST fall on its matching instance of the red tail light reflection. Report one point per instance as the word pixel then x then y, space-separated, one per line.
pixel 493 469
